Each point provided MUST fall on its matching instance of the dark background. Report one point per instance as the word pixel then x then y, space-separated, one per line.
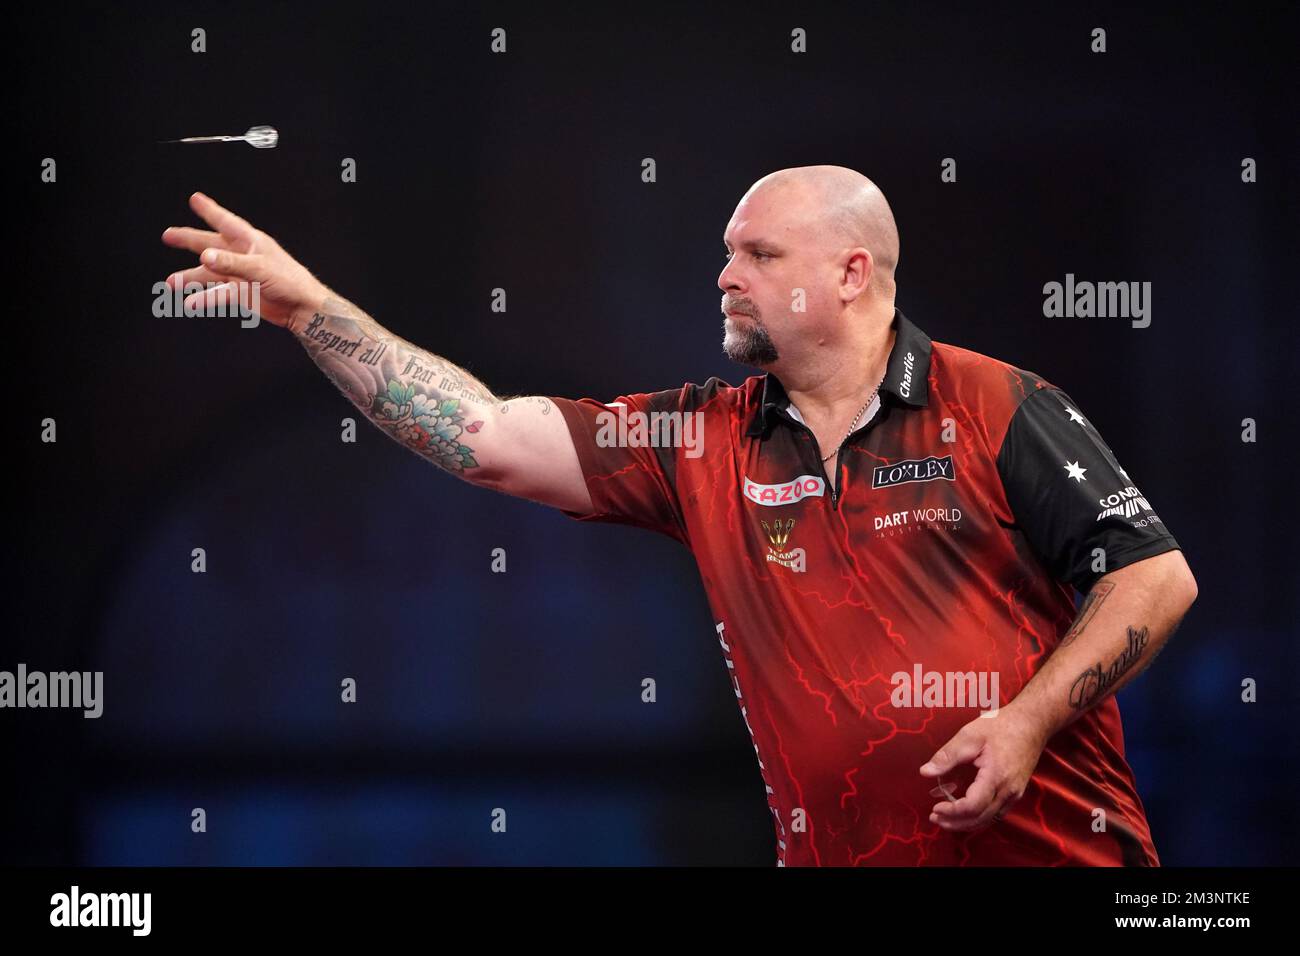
pixel 522 690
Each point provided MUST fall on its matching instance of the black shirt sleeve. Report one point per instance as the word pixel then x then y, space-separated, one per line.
pixel 1070 496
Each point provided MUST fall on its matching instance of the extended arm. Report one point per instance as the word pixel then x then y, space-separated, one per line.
pixel 519 446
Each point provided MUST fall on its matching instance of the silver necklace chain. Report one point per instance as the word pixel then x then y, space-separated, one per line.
pixel 854 424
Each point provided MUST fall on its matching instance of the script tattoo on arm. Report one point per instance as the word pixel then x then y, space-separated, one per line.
pixel 1094 683
pixel 419 399
pixel 1092 602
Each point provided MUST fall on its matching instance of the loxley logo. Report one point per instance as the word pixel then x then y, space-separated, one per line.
pixel 102 909
pixel 913 469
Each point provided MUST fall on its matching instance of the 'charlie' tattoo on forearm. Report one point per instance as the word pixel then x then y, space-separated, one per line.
pixel 421 400
pixel 1091 602
pixel 1093 684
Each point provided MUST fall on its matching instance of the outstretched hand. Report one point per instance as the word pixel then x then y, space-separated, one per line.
pixel 233 257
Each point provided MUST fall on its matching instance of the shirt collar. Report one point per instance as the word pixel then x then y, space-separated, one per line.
pixel 906 381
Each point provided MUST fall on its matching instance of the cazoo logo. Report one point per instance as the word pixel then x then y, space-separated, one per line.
pixel 787 493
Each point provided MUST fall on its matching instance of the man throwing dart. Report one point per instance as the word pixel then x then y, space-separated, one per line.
pixel 890 531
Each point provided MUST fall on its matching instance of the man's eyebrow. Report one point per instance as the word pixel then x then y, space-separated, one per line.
pixel 754 244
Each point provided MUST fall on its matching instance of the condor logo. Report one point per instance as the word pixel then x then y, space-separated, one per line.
pixel 805 486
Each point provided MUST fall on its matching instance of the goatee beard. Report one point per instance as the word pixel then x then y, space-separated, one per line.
pixel 748 346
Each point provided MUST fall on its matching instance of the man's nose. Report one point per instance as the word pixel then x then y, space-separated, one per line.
pixel 729 279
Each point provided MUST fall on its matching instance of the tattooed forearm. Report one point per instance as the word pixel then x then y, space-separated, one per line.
pixel 1094 683
pixel 420 399
pixel 1091 604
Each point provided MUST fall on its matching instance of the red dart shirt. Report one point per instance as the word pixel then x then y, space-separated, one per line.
pixel 867 611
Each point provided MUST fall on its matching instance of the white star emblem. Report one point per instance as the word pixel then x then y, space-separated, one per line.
pixel 1075 416
pixel 1075 472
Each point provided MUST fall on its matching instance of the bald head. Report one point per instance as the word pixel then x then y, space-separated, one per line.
pixel 843 208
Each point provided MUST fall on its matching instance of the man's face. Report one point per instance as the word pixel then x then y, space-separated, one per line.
pixel 769 256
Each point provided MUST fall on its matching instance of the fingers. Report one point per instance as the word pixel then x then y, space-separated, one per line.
pixel 981 817
pixel 979 806
pixel 226 263
pixel 973 802
pixel 961 749
pixel 223 299
pixel 195 240
pixel 230 226
pixel 976 809
pixel 200 274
